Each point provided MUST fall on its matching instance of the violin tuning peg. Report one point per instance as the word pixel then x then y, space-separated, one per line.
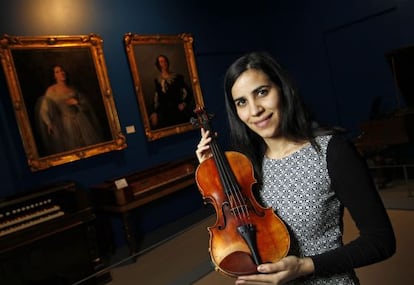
pixel 198 109
pixel 194 122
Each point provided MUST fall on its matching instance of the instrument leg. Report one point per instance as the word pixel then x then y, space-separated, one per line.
pixel 129 236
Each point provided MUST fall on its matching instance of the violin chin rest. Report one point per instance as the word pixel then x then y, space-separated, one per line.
pixel 238 263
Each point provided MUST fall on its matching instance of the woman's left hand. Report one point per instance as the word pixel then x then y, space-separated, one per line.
pixel 287 269
pixel 72 101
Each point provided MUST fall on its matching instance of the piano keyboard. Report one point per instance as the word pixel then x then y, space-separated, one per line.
pixel 28 215
pixel 31 223
pixel 38 229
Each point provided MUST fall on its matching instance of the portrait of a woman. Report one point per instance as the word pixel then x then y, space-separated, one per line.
pixel 64 118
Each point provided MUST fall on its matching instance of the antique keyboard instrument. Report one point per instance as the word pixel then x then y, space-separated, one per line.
pixel 48 236
pixel 31 216
pixel 136 189
pixel 120 196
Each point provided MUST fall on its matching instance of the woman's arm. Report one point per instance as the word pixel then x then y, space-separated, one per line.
pixel 352 182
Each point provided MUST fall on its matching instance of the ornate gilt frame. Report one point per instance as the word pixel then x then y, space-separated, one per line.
pixel 24 60
pixel 142 51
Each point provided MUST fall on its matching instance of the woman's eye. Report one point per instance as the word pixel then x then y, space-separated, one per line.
pixel 240 102
pixel 262 92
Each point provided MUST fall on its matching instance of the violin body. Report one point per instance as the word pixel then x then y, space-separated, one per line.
pixel 233 251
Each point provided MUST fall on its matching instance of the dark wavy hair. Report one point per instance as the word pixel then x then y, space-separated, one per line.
pixel 157 63
pixel 52 78
pixel 295 122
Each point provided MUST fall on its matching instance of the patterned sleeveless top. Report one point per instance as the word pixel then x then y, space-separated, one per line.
pixel 298 188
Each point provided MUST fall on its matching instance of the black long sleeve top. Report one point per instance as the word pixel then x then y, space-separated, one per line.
pixel 355 188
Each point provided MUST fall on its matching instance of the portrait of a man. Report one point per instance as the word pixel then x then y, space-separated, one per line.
pixel 164 69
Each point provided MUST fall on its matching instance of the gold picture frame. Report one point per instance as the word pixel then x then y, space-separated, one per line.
pixel 161 116
pixel 61 121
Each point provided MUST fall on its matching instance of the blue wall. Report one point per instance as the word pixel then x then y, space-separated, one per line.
pixel 335 51
pixel 215 47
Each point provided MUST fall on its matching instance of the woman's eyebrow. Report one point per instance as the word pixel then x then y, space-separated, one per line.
pixel 256 90
pixel 238 99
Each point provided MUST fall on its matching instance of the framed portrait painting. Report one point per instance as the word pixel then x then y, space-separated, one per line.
pixel 61 97
pixel 165 80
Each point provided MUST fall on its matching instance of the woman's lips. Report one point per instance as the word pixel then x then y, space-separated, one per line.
pixel 263 122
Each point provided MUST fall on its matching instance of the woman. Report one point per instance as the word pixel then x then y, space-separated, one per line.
pixel 307 179
pixel 173 101
pixel 66 120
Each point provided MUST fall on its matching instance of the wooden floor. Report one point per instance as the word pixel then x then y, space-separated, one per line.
pixel 181 260
pixel 184 259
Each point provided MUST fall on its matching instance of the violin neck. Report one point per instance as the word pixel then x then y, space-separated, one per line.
pixel 227 177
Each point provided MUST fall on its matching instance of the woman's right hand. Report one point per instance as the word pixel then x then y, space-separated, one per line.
pixel 203 150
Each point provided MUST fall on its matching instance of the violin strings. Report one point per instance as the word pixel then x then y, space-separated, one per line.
pixel 230 184
pixel 231 187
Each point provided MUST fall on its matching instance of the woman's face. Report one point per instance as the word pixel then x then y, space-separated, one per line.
pixel 163 63
pixel 257 99
pixel 60 74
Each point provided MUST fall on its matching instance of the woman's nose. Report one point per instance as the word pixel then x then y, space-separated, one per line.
pixel 255 109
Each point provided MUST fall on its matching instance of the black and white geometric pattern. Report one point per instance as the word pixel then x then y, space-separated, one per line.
pixel 298 188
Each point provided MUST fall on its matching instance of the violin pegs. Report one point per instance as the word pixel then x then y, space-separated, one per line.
pixel 198 109
pixel 194 122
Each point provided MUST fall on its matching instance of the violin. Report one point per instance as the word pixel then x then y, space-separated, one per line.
pixel 245 233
